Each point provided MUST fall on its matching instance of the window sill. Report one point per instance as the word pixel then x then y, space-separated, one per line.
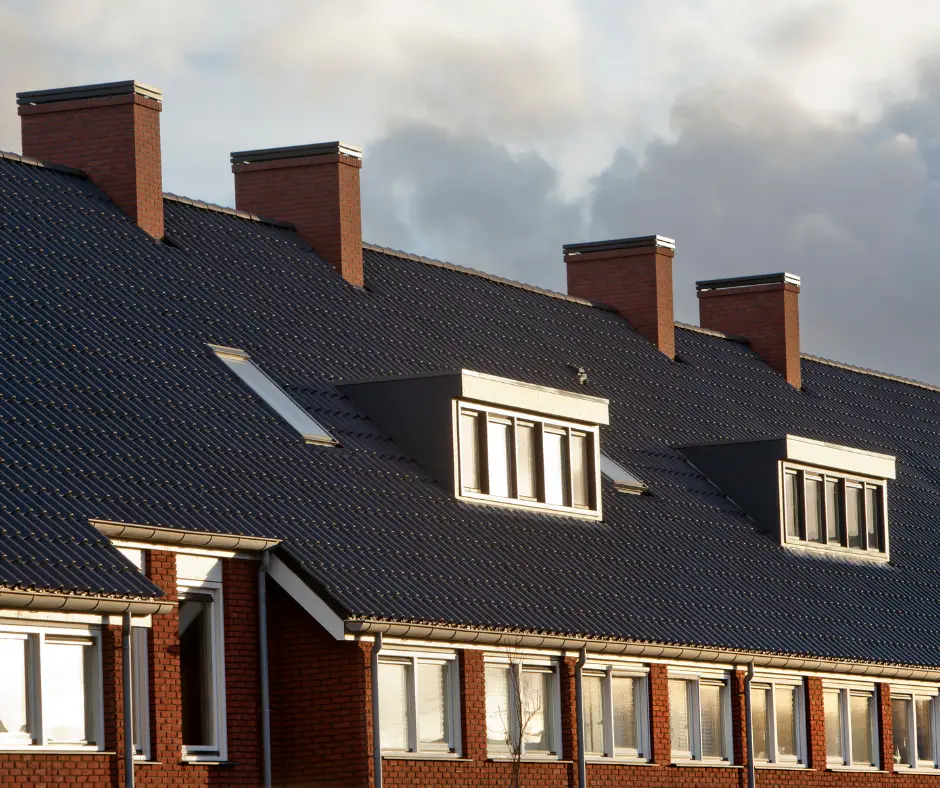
pixel 528 759
pixel 620 762
pixel 919 770
pixel 192 761
pixel 424 756
pixel 791 766
pixel 54 751
pixel 869 769
pixel 708 764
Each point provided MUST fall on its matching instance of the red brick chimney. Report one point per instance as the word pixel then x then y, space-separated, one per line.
pixel 632 275
pixel 315 188
pixel 763 309
pixel 112 132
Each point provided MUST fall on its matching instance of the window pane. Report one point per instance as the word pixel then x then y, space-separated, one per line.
pixel 470 452
pixel 499 447
pixel 66 690
pixel 860 719
pixel 556 466
pixel 536 722
pixel 792 503
pixel 924 730
pixel 432 704
pixel 498 724
pixel 873 517
pixel 580 469
pixel 713 740
pixel 759 712
pixel 833 707
pixel 526 459
pixel 785 709
pixel 833 511
pixel 901 725
pixel 394 691
pixel 624 691
pixel 679 715
pixel 593 699
pixel 815 515
pixel 140 688
pixel 14 723
pixel 853 515
pixel 197 672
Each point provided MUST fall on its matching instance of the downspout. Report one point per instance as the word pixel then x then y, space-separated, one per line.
pixel 263 647
pixel 749 727
pixel 376 737
pixel 579 703
pixel 127 679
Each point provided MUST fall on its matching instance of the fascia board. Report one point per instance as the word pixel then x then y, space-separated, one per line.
pixel 302 594
pixel 840 458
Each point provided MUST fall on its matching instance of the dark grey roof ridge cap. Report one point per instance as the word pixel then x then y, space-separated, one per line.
pixel 711 332
pixel 634 242
pixel 484 275
pixel 726 283
pixel 100 90
pixel 211 206
pixel 295 152
pixel 874 373
pixel 10 156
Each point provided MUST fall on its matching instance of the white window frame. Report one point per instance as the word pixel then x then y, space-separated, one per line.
pixel 912 695
pixel 485 413
pixel 846 692
pixel 451 697
pixel 696 678
pixel 526 664
pixel 640 675
pixel 842 479
pixel 37 703
pixel 140 690
pixel 771 682
pixel 218 750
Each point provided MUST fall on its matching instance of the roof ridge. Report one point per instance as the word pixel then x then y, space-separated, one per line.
pixel 483 275
pixel 871 372
pixel 211 206
pixel 10 156
pixel 702 330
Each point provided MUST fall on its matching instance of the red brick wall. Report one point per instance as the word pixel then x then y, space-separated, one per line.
pixel 319 195
pixel 635 282
pixel 768 315
pixel 114 139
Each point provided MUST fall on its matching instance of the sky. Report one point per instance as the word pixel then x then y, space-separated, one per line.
pixel 781 135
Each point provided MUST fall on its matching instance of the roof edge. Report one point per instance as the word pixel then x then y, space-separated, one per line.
pixel 178 537
pixel 639 649
pixel 211 206
pixel 870 372
pixel 80 603
pixel 10 156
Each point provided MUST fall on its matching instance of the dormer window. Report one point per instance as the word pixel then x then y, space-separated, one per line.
pixel 516 458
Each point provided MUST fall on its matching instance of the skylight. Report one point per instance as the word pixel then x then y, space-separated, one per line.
pixel 622 479
pixel 239 362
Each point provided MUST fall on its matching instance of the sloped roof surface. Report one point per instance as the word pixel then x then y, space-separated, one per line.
pixel 112 407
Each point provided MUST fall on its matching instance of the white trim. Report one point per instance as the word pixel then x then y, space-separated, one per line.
pixel 769 684
pixel 209 552
pixel 694 680
pixel 141 692
pixel 300 592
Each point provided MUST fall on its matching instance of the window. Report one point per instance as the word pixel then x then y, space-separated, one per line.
pixel 418 704
pixel 202 659
pixel 834 512
pixel 699 718
pixel 614 709
pixel 777 721
pixel 622 479
pixel 252 376
pixel 51 689
pixel 517 459
pixel 914 718
pixel 851 732
pixel 522 713
pixel 140 691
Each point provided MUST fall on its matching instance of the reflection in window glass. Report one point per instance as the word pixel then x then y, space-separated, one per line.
pixel 593 700
pixel 526 458
pixel 14 725
pixel 555 446
pixel 901 726
pixel 832 700
pixel 924 730
pixel 66 667
pixel 815 513
pixel 432 704
pixel 580 470
pixel 197 671
pixel 833 511
pixel 785 708
pixel 759 711
pixel 625 721
pixel 679 716
pixel 873 517
pixel 536 711
pixel 499 448
pixel 712 727
pixel 470 453
pixel 860 719
pixel 141 689
pixel 853 514
pixel 394 691
pixel 792 503
pixel 498 722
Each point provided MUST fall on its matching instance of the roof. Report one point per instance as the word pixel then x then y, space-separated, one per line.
pixel 113 407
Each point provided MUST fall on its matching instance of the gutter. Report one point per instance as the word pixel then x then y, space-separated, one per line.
pixel 177 536
pixel 81 603
pixel 376 733
pixel 579 703
pixel 634 649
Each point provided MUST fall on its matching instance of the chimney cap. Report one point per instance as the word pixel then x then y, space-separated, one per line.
pixel 100 90
pixel 781 278
pixel 637 242
pixel 295 151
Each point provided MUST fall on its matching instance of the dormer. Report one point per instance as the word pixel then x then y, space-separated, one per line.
pixel 807 494
pixel 494 440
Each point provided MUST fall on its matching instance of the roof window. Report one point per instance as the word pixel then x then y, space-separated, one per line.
pixel 622 479
pixel 252 375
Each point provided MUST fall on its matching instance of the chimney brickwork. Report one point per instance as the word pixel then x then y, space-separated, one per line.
pixel 632 275
pixel 111 132
pixel 315 188
pixel 764 310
